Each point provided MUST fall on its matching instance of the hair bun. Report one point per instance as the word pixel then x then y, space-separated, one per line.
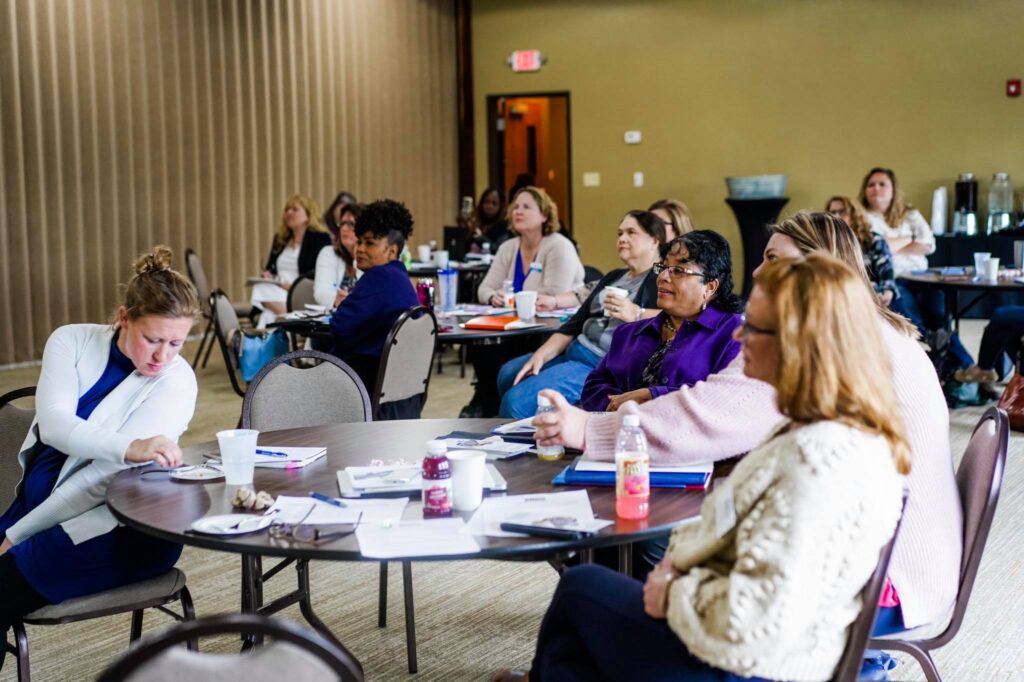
pixel 157 260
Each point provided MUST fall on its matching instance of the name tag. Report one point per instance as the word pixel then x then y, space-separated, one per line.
pixel 725 509
pixel 536 267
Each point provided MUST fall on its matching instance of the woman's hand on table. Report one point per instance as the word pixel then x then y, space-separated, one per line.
pixel 159 449
pixel 497 300
pixel 656 589
pixel 621 308
pixel 340 296
pixel 640 395
pixel 565 426
pixel 546 302
pixel 5 545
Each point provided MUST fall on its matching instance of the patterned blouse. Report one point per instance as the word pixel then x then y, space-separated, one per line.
pixel 878 261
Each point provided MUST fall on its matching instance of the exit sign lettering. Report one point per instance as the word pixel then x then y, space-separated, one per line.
pixel 525 60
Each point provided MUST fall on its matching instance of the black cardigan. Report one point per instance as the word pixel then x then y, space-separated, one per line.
pixel 312 244
pixel 646 297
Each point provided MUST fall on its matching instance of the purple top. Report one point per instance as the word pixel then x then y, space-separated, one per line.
pixel 701 347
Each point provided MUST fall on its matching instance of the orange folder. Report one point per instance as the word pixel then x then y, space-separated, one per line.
pixel 494 323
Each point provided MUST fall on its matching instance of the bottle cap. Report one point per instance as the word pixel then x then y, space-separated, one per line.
pixel 543 401
pixel 436 447
pixel 631 420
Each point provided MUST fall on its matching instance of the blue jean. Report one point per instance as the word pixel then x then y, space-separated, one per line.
pixel 565 374
pixel 596 629
pixel 1002 337
pixel 926 309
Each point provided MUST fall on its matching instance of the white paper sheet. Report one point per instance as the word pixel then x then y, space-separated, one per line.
pixel 585 464
pixel 494 446
pixel 375 512
pixel 437 537
pixel 534 510
pixel 521 427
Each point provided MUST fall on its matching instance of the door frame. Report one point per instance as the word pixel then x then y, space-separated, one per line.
pixel 493 169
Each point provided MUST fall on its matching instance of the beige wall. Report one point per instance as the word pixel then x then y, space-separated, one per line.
pixel 125 123
pixel 821 90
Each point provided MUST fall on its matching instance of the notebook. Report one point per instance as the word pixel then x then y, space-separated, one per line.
pixel 498 323
pixel 588 472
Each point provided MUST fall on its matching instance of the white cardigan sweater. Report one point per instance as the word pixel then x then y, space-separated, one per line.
pixel 731 413
pixel 330 269
pixel 557 268
pixel 772 594
pixel 139 407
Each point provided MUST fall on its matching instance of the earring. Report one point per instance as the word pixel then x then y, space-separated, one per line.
pixel 704 303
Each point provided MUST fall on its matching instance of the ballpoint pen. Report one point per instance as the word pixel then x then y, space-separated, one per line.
pixel 271 453
pixel 328 500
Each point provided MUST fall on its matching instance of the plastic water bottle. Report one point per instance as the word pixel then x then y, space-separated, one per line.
pixel 632 471
pixel 548 453
pixel 437 481
pixel 508 292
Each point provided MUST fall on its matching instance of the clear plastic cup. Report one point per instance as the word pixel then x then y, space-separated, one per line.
pixel 238 455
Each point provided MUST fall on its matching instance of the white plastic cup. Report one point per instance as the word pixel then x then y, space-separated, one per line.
pixel 467 478
pixel 526 305
pixel 613 290
pixel 423 253
pixel 992 270
pixel 441 259
pixel 238 455
pixel 979 262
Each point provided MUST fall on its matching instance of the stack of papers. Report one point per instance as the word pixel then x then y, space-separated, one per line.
pixel 570 511
pixel 495 446
pixel 404 481
pixel 589 472
pixel 438 537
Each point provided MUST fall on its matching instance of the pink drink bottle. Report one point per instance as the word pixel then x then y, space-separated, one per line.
pixel 437 481
pixel 632 465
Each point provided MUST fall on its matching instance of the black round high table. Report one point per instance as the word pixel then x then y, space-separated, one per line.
pixel 754 216
pixel 952 285
pixel 159 506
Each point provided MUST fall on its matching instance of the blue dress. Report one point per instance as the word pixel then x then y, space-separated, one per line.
pixel 54 566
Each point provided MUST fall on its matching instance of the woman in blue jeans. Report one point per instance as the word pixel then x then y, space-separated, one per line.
pixel 565 359
pixel 999 346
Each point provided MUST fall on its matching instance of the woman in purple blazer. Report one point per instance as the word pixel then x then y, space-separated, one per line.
pixel 691 338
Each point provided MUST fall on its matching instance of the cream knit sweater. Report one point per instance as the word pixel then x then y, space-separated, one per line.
pixel 772 595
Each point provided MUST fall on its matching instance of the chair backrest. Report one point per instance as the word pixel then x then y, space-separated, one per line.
pixel 591 274
pixel 979 479
pixel 14 425
pixel 297 654
pixel 407 358
pixel 198 276
pixel 227 329
pixel 850 663
pixel 300 293
pixel 285 394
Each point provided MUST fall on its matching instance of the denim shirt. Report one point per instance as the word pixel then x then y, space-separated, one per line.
pixel 701 347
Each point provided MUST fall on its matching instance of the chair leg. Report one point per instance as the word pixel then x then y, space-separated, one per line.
pixel 923 658
pixel 136 632
pixel 21 643
pixel 410 616
pixel 209 347
pixel 202 344
pixel 462 361
pixel 188 613
pixel 382 596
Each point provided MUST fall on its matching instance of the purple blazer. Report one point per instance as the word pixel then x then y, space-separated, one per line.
pixel 701 347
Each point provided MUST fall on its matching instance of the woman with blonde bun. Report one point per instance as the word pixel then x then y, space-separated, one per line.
pixel 109 397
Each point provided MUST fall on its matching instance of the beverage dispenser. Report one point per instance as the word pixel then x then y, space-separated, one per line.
pixel 1000 204
pixel 965 210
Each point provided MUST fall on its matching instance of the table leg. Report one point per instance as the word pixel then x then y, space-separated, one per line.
pixel 252 595
pixel 306 606
pixel 626 559
pixel 586 556
pixel 410 616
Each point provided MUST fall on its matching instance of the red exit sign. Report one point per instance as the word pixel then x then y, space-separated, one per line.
pixel 526 60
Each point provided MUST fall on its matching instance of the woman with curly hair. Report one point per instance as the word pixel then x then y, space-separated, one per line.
pixel 363 319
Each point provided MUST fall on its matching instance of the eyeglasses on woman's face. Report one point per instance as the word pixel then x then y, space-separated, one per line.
pixel 676 271
pixel 747 329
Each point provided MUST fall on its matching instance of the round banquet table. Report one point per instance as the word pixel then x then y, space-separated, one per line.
pixel 952 285
pixel 165 508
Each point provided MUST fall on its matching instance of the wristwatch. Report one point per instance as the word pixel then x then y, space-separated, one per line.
pixel 639 313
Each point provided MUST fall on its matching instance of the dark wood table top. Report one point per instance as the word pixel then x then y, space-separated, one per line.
pixel 965 281
pixel 316 326
pixel 165 508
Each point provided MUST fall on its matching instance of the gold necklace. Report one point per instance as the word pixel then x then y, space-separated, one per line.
pixel 671 327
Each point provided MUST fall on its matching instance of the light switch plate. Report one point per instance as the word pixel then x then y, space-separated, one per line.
pixel 591 179
pixel 632 137
pixel 638 179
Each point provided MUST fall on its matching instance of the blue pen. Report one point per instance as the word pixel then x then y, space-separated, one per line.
pixel 328 500
pixel 271 453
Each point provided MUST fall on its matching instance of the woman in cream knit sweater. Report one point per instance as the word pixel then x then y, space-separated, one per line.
pixel 766 583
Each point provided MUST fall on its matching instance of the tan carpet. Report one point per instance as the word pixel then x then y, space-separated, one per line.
pixel 474 617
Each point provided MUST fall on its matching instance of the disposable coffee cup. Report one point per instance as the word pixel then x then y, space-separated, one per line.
pixel 526 305
pixel 992 270
pixel 423 253
pixel 613 290
pixel 979 262
pixel 441 260
pixel 467 478
pixel 237 455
